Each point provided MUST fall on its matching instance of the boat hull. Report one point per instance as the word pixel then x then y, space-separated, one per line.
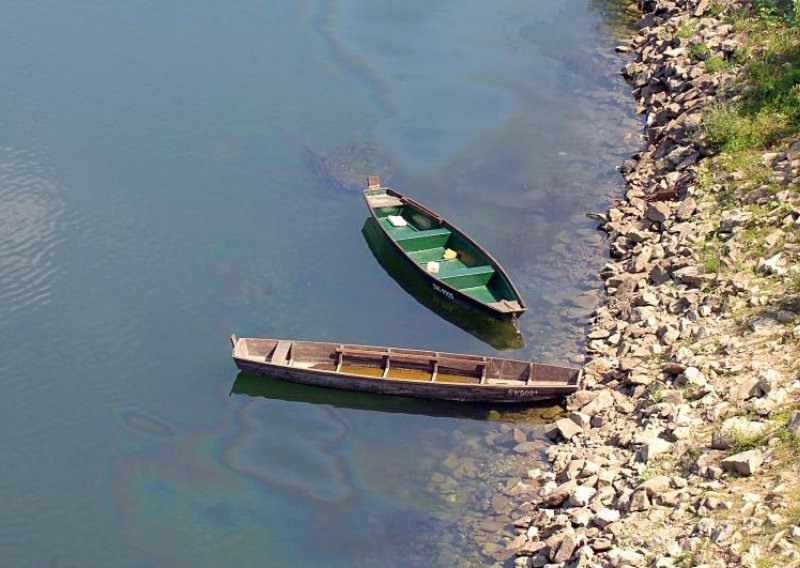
pixel 414 389
pixel 426 228
pixel 500 333
pixel 397 264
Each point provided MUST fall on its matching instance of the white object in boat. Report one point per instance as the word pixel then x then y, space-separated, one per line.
pixel 397 220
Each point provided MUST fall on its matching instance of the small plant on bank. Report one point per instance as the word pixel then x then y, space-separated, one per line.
pixel 742 442
pixel 699 51
pixel 792 283
pixel 654 393
pixel 645 475
pixel 715 9
pixel 687 29
pixel 716 64
pixel 711 255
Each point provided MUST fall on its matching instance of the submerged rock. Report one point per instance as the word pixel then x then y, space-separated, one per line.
pixel 346 167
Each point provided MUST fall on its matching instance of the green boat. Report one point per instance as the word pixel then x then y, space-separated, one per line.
pixel 455 266
pixel 502 334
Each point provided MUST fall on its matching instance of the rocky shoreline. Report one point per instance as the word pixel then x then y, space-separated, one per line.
pixel 684 362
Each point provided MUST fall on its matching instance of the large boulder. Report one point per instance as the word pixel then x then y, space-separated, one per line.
pixel 744 463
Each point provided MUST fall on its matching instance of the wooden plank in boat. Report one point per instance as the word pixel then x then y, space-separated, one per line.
pixel 384 201
pixel 436 358
pixel 281 353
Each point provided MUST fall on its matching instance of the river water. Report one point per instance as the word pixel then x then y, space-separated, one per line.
pixel 160 187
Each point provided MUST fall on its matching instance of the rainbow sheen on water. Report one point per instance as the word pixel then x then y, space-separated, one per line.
pixel 158 191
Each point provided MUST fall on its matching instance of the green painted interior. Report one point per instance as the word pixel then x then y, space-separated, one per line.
pixel 468 277
pixel 421 240
pixel 437 254
pixel 424 239
pixel 382 212
pixel 397 231
pixel 482 294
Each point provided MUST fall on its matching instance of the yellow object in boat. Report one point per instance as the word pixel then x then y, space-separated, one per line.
pixel 450 254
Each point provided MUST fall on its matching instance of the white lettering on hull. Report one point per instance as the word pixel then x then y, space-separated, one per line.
pixel 523 392
pixel 446 293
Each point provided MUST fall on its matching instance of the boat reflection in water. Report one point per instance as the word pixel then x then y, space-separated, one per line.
pixel 500 334
pixel 254 385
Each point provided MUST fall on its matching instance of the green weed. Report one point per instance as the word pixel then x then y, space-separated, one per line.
pixel 742 442
pixel 699 51
pixel 687 29
pixel 716 64
pixel 715 9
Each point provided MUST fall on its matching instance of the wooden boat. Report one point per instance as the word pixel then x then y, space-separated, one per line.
pixel 502 334
pixel 456 267
pixel 404 372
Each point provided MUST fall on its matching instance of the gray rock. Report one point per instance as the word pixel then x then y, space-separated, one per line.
pixel 659 275
pixel 669 498
pixel 580 496
pixel 638 379
pixel 772 265
pixel 654 448
pixel 751 388
pixel 794 424
pixel 601 545
pixel 639 501
pixel 603 401
pixel 685 209
pixel 582 397
pixel 658 211
pixel 565 549
pixel 605 517
pixel 744 463
pixel 668 334
pixel 641 260
pixel 656 485
pixel 793 153
pixel 581 419
pixel 649 299
pixel 555 497
pixel 732 220
pixel 628 558
pixel 691 276
pixel 740 426
pixel 581 517
pixel 564 428
pixel 770 158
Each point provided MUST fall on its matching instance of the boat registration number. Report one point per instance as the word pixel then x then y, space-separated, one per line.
pixel 446 293
pixel 523 392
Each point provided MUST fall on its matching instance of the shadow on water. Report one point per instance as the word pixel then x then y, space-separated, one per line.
pixel 254 385
pixel 502 335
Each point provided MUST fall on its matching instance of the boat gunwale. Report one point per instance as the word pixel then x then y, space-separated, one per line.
pixel 447 223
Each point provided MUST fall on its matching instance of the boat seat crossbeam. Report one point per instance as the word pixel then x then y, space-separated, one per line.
pixel 420 240
pixel 281 353
pixel 437 362
pixel 468 277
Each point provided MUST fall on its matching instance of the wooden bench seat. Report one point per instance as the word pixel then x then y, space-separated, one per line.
pixel 420 240
pixel 468 277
